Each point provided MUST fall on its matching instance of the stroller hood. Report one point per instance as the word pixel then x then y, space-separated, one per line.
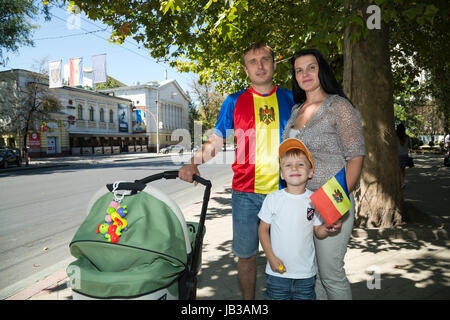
pixel 150 255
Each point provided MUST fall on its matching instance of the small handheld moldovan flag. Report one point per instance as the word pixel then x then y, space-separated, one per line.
pixel 332 199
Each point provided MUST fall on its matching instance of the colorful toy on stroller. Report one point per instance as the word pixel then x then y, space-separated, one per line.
pixel 135 244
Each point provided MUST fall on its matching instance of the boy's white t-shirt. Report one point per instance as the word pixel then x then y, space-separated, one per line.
pixel 291 218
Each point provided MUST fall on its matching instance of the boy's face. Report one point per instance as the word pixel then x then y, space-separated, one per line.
pixel 296 170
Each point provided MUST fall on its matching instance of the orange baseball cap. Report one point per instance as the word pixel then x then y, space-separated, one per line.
pixel 293 143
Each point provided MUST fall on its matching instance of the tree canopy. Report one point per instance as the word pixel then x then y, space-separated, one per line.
pixel 110 83
pixel 208 36
pixel 16 24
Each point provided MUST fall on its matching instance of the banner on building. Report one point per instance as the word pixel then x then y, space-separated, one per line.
pixel 99 68
pixel 66 74
pixel 76 72
pixel 54 74
pixel 123 117
pixel 34 140
pixel 139 125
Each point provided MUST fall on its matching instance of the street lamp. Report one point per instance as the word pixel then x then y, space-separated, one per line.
pixel 173 94
pixel 157 121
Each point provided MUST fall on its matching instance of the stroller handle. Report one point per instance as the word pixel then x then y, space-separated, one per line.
pixel 139 185
pixel 173 174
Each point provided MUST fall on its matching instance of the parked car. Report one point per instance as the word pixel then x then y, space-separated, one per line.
pixel 172 149
pixel 9 156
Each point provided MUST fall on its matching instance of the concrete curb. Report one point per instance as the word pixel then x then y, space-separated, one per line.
pixel 48 284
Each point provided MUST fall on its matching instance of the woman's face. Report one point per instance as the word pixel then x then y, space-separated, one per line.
pixel 307 73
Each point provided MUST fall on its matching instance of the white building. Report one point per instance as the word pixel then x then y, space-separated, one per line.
pixel 164 102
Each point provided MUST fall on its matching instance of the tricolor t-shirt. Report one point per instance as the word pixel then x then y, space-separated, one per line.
pixel 258 122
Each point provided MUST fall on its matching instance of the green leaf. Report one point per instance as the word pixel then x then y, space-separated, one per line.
pixel 431 10
pixel 166 5
pixel 412 13
pixel 206 7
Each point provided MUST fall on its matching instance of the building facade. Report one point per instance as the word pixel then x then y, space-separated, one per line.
pixel 164 102
pixel 109 121
pixel 88 122
pixel 97 123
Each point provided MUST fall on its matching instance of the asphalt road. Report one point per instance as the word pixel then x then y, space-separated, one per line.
pixel 41 209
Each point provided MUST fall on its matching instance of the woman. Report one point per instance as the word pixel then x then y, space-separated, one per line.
pixel 403 151
pixel 330 127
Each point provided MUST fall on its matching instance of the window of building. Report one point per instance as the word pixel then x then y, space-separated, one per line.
pixel 111 116
pixel 102 115
pixel 80 112
pixel 91 113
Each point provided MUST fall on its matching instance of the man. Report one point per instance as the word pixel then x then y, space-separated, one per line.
pixel 257 116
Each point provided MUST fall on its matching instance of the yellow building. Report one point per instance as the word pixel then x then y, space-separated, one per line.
pixel 109 121
pixel 89 122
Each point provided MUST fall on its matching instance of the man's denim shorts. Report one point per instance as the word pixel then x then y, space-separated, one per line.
pixel 246 207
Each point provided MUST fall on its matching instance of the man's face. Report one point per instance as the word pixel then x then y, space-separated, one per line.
pixel 259 66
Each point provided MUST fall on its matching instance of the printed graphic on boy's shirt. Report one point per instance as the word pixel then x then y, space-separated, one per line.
pixel 310 213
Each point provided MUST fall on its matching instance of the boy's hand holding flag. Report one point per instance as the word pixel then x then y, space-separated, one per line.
pixel 332 199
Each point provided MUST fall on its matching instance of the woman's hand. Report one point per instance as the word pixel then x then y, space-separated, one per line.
pixel 335 227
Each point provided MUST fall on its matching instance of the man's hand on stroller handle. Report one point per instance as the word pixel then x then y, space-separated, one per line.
pixel 187 172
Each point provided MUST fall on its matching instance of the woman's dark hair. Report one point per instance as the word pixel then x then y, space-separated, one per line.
pixel 326 76
pixel 401 131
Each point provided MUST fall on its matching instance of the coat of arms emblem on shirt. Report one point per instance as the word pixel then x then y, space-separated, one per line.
pixel 267 115
pixel 337 195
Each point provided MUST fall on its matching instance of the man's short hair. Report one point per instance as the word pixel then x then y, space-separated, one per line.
pixel 257 46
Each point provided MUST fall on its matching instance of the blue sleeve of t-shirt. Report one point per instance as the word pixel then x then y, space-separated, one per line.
pixel 225 121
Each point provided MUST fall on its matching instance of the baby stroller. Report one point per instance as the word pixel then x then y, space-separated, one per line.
pixel 155 255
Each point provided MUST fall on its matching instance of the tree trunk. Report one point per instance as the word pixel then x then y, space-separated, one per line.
pixel 368 84
pixel 24 146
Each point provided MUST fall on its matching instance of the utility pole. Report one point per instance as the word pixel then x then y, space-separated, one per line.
pixel 157 121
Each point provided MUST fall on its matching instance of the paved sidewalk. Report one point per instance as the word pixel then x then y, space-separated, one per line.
pixel 410 262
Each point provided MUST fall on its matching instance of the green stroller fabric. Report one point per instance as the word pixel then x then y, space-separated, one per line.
pixel 149 256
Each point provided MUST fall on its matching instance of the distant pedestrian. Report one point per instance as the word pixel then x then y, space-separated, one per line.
pixel 447 150
pixel 403 143
pixel 447 142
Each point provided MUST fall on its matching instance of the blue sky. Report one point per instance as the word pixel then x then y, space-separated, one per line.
pixel 127 63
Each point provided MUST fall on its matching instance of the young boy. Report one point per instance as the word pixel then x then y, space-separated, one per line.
pixel 288 221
